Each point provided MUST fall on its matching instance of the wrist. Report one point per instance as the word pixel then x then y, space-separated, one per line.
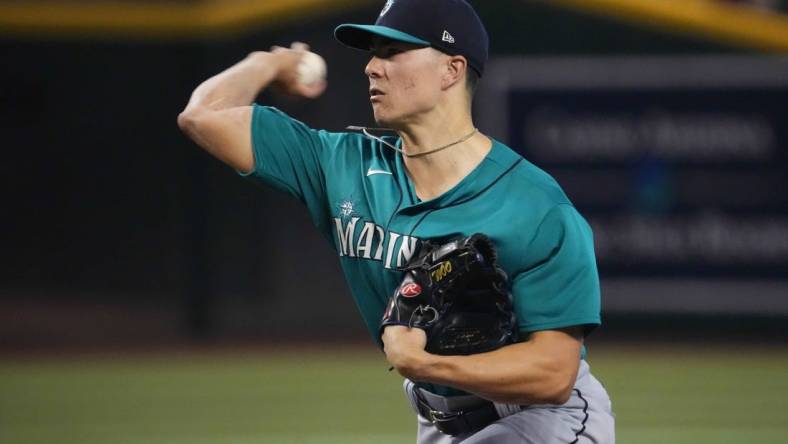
pixel 264 62
pixel 418 366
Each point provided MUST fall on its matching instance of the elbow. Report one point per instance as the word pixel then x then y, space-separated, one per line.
pixel 194 118
pixel 558 391
pixel 561 395
pixel 555 389
pixel 547 395
pixel 187 120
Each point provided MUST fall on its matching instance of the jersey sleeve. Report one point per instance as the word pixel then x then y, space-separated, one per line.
pixel 290 156
pixel 559 283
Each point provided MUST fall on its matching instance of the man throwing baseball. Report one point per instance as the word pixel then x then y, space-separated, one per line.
pixel 413 211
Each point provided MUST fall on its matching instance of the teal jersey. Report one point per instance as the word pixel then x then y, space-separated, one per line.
pixel 361 199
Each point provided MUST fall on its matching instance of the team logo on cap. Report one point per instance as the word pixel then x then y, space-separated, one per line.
pixel 410 290
pixel 386 7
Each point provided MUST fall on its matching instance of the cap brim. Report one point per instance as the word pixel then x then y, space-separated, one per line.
pixel 360 36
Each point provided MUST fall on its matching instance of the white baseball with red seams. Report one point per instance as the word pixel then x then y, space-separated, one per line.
pixel 311 69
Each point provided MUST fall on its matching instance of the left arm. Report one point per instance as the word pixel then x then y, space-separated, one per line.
pixel 556 296
pixel 541 370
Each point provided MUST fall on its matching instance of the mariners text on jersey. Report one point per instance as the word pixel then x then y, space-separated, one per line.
pixel 371 240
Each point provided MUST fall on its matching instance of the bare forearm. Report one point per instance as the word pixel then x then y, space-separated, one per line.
pixel 539 371
pixel 511 374
pixel 238 85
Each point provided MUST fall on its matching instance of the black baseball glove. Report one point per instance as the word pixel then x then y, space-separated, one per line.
pixel 458 295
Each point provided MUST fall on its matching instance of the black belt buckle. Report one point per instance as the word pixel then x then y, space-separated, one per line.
pixel 461 421
pixel 449 423
pixel 438 416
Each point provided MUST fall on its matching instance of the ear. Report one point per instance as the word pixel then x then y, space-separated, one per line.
pixel 455 71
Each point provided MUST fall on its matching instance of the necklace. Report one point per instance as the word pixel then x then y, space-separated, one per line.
pixel 366 132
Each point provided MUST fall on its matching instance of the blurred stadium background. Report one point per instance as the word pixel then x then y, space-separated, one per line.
pixel 148 294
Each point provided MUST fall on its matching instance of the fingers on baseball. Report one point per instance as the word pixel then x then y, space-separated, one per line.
pixel 295 46
pixel 288 81
pixel 312 90
pixel 299 46
pixel 291 86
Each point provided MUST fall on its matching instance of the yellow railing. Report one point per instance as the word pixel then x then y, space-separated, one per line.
pixel 727 23
pixel 155 19
pixel 732 24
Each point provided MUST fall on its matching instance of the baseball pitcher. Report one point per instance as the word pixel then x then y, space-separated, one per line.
pixel 470 266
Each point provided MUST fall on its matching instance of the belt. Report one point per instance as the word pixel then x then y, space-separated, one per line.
pixel 461 421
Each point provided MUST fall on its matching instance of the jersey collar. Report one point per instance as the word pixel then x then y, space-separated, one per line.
pixel 497 162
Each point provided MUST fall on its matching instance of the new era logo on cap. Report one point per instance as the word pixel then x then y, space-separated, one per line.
pixel 450 26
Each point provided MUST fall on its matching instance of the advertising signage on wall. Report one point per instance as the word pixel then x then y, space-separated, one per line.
pixel 680 164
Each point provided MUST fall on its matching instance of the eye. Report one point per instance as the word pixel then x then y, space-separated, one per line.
pixel 387 52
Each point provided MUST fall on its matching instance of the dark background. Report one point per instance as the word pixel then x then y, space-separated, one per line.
pixel 116 229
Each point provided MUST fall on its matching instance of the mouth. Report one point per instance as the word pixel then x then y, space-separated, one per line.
pixel 375 94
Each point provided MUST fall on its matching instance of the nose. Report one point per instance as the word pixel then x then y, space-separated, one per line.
pixel 374 69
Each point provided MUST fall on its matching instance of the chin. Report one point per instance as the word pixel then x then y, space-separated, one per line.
pixel 382 121
pixel 386 121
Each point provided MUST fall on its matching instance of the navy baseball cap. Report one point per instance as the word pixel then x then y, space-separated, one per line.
pixel 450 26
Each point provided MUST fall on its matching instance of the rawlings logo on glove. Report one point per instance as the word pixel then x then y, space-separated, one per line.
pixel 457 294
pixel 410 290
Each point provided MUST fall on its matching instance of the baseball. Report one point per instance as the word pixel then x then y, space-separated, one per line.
pixel 311 69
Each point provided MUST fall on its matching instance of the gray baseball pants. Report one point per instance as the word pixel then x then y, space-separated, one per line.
pixel 585 419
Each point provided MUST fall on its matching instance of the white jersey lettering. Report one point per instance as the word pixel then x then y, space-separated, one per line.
pixel 364 245
pixel 345 237
pixel 373 237
pixel 381 239
pixel 390 252
pixel 406 250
